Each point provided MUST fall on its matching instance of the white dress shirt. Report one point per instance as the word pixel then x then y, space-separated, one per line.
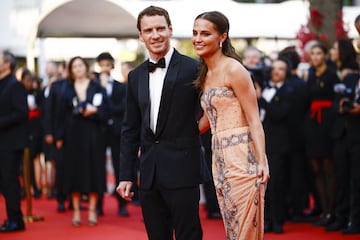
pixel 156 82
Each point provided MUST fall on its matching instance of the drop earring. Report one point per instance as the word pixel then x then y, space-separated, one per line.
pixel 220 44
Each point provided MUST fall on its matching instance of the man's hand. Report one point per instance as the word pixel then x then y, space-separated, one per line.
pixel 355 110
pixel 124 190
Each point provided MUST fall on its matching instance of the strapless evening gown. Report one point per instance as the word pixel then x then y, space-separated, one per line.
pixel 234 166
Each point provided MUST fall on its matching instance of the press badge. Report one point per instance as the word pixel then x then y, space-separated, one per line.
pixel 97 99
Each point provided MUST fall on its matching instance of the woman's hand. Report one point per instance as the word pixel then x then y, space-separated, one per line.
pixel 263 173
pixel 89 110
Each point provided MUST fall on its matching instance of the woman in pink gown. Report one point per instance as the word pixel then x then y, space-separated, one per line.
pixel 240 166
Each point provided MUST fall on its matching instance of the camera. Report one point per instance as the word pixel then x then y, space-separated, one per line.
pixel 347 105
pixel 348 94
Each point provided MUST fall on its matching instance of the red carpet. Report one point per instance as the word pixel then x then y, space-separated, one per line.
pixel 57 226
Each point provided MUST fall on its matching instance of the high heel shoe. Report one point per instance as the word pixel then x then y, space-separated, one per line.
pixel 92 220
pixel 76 222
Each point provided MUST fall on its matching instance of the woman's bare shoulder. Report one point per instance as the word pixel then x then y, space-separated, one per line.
pixel 236 73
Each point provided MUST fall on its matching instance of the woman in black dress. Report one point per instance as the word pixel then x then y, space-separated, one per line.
pixel 319 123
pixel 80 132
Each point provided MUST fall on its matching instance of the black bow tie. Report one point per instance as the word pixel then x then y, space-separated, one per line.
pixel 152 66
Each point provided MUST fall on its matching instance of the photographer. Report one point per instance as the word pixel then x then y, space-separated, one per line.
pixel 347 154
pixel 254 63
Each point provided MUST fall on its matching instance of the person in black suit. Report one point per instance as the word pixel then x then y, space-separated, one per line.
pixel 50 126
pixel 298 163
pixel 116 92
pixel 13 117
pixel 275 106
pixel 347 154
pixel 161 116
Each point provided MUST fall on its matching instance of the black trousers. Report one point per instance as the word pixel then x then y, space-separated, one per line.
pixel 342 176
pixel 298 182
pixel 169 210
pixel 212 204
pixel 275 200
pixel 59 177
pixel 113 141
pixel 9 183
pixel 355 184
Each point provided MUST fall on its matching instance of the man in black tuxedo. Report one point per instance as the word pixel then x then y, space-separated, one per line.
pixel 275 106
pixel 50 128
pixel 299 167
pixel 13 116
pixel 161 117
pixel 116 92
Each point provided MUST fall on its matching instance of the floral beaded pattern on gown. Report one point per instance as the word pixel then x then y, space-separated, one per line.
pixel 234 166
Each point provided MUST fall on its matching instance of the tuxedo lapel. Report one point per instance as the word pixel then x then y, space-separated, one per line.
pixel 144 96
pixel 167 92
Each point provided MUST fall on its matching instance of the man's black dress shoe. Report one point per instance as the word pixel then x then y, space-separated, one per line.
pixel 268 227
pixel 99 212
pixel 277 228
pixel 214 215
pixel 61 207
pixel 123 212
pixel 12 226
pixel 325 220
pixel 351 230
pixel 336 226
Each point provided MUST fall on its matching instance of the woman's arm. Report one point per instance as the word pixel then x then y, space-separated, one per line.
pixel 204 124
pixel 240 81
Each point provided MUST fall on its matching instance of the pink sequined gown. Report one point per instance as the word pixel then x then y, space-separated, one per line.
pixel 234 166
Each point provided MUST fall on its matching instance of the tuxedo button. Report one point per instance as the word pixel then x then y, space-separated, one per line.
pixel 157 141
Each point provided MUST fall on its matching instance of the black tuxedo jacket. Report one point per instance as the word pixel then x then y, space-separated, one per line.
pixel 172 153
pixel 277 120
pixel 117 106
pixel 51 104
pixel 13 114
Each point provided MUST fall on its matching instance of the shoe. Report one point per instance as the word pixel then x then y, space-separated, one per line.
pixel 92 220
pixel 99 212
pixel 123 212
pixel 336 226
pixel 12 226
pixel 136 202
pixel 268 227
pixel 76 222
pixel 325 220
pixel 351 230
pixel 61 207
pixel 37 194
pixel 214 215
pixel 277 228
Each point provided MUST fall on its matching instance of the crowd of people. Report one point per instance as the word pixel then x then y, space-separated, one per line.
pixel 176 122
pixel 70 121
